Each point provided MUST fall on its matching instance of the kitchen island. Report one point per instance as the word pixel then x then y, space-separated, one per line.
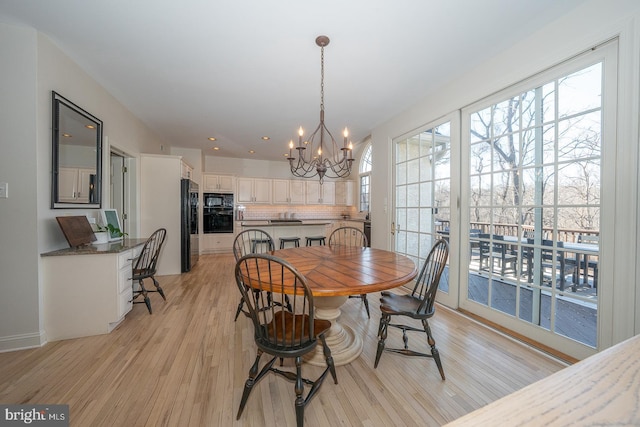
pixel 278 229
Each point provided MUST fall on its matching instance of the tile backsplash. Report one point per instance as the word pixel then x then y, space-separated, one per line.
pixel 301 211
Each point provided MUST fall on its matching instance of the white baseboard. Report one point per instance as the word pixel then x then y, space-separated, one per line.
pixel 22 342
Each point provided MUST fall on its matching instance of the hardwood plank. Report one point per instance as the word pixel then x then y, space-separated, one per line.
pixel 186 364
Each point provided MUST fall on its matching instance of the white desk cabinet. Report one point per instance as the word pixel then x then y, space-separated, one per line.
pixel 87 291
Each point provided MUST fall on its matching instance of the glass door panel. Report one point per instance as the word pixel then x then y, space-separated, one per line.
pixel 423 193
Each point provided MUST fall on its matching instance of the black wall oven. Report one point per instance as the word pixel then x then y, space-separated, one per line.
pixel 217 213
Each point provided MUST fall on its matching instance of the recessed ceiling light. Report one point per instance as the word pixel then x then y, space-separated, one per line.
pixel 211 138
pixel 216 148
pixel 66 135
pixel 251 151
pixel 266 138
pixel 90 126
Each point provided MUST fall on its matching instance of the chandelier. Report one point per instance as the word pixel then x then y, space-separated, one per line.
pixel 316 156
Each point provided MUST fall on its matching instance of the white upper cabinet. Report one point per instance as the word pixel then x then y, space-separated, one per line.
pixel 288 191
pixel 324 194
pixel 218 183
pixel 254 190
pixel 74 184
pixel 344 193
pixel 186 170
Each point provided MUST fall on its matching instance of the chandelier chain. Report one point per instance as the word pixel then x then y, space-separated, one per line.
pixel 322 78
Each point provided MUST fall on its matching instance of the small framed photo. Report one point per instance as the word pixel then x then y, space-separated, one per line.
pixel 110 218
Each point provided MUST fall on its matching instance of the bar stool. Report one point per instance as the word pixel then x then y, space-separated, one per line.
pixel 319 239
pixel 256 242
pixel 294 240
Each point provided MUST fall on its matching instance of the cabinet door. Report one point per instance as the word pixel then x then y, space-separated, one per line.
pixel 281 191
pixel 296 192
pixel 186 170
pixel 328 192
pixel 84 183
pixel 209 182
pixel 262 190
pixel 67 184
pixel 245 190
pixel 313 196
pixel 225 183
pixel 344 193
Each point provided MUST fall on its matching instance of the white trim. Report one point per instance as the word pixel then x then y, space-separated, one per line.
pixel 22 342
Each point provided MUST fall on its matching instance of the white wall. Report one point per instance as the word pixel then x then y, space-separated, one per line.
pixel 594 23
pixel 32 66
pixel 19 298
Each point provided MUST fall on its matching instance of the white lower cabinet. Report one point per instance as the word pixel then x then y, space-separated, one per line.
pixel 212 243
pixel 87 294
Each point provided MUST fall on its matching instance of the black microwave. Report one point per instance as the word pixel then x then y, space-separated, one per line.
pixel 218 200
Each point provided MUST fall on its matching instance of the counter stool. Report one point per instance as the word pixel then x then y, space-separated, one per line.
pixel 256 242
pixel 294 240
pixel 319 239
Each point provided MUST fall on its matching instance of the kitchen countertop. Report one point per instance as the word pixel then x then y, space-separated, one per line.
pixel 266 222
pixel 298 221
pixel 103 248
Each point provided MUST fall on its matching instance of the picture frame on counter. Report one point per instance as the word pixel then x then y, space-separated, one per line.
pixel 110 218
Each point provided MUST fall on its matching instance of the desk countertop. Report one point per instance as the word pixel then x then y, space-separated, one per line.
pixel 104 248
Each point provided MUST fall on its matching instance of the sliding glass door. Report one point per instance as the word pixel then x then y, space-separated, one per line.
pixel 532 203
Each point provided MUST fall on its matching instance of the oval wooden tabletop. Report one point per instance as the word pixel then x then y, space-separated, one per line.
pixel 345 270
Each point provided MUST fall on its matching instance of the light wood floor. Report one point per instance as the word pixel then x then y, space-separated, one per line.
pixel 186 365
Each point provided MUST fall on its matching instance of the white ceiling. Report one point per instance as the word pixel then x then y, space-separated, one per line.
pixel 241 69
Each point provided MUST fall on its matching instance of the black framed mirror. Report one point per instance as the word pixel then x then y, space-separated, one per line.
pixel 76 156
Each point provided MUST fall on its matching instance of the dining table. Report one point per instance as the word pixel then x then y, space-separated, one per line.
pixel 333 273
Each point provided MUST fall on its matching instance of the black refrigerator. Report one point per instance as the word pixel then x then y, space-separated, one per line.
pixel 189 243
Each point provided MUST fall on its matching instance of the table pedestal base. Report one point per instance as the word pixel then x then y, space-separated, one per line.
pixel 344 344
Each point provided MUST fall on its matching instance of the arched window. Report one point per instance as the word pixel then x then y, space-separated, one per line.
pixel 365 179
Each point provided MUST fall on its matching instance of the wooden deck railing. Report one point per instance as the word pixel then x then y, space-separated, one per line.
pixel 564 234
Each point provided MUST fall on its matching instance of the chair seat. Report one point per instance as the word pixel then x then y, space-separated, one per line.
pixel 404 305
pixel 297 335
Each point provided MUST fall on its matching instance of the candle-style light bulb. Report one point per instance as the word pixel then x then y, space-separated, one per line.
pixel 346 135
pixel 350 150
pixel 319 151
pixel 290 147
pixel 300 133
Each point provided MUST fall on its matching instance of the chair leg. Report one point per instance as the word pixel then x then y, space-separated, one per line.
pixel 434 351
pixel 240 305
pixel 158 288
pixel 382 336
pixel 299 388
pixel 145 296
pixel 286 299
pixel 327 355
pixel 147 302
pixel 366 304
pixel 248 385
